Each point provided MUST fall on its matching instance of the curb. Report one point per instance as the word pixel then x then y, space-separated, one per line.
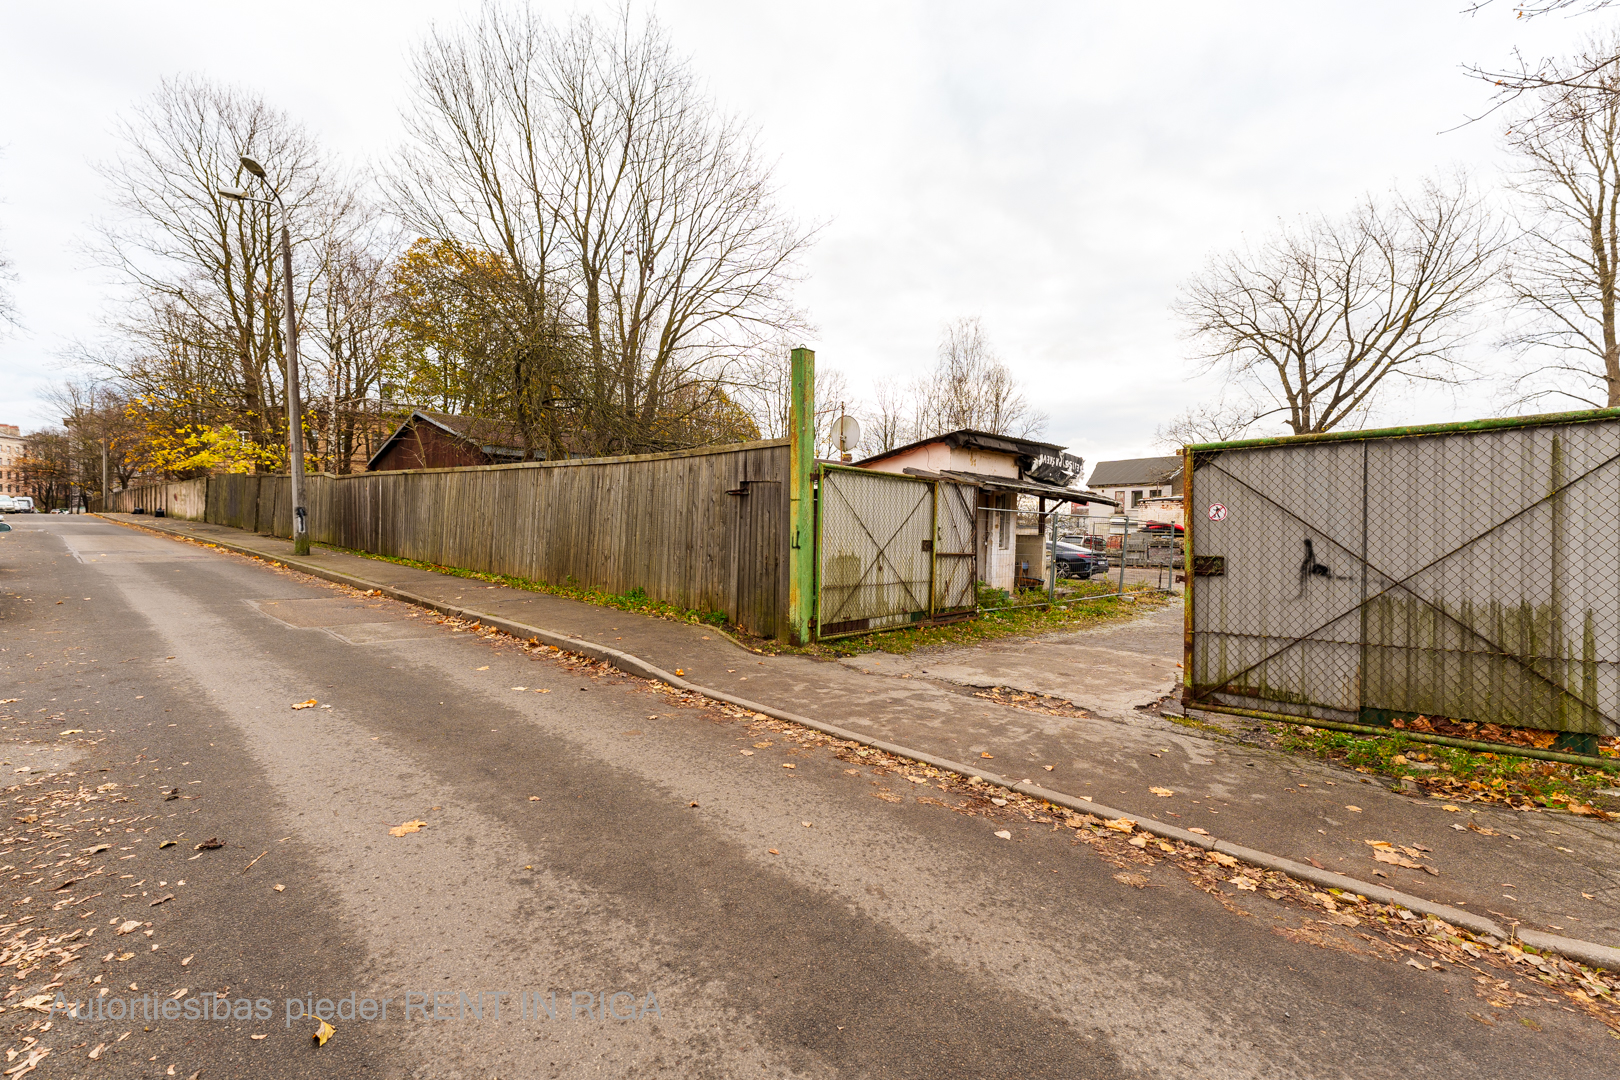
pixel 1589 953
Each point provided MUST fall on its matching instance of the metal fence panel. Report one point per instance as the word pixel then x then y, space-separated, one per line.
pixel 1464 574
pixel 956 551
pixel 874 557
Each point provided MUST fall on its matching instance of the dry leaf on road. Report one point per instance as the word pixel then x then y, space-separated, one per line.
pixel 322 1033
pixel 310 704
pixel 1162 792
pixel 1353 809
pixel 129 927
pixel 1244 883
pixel 1123 824
pixel 1004 834
pixel 408 827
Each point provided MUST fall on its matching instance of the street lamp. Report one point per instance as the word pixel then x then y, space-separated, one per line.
pixel 295 409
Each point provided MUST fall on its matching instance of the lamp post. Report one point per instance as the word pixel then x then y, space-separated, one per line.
pixel 295 409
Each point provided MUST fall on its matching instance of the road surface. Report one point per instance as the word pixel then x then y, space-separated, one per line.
pixel 589 838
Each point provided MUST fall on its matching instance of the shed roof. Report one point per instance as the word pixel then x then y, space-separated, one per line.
pixel 1145 470
pixel 496 438
pixel 979 440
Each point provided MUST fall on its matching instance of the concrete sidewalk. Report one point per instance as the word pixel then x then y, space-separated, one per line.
pixel 1545 871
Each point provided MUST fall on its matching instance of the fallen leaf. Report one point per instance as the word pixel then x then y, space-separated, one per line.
pixel 986 754
pixel 1004 834
pixel 1354 809
pixel 1417 964
pixel 258 1036
pixel 1396 860
pixel 1135 881
pixel 520 687
pixel 1247 884
pixel 1200 832
pixel 188 960
pixel 129 927
pixel 92 1055
pixel 211 844
pixel 806 824
pixel 786 765
pixel 1314 863
pixel 1453 810
pixel 888 796
pixel 773 851
pixel 1140 840
pixel 167 843
pixel 1123 824
pixel 746 753
pixel 1162 792
pixel 72 731
pixel 484 668
pixel 326 1031
pixel 999 802
pixel 180 993
pixel 310 704
pixel 1048 768
pixel 279 888
pixel 408 827
pixel 690 804
pixel 1222 859
pixel 680 671
pixel 918 779
pixel 534 798
pixel 161 900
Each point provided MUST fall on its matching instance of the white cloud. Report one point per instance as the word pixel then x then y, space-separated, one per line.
pixel 1055 168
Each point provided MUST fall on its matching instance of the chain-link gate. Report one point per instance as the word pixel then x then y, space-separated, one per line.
pixel 1466 573
pixel 891 550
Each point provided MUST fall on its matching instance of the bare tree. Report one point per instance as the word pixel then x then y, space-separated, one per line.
pixel 1564 272
pixel 1526 77
pixel 1323 316
pixel 203 278
pixel 970 387
pixel 1204 423
pixel 8 306
pixel 633 214
pixel 889 422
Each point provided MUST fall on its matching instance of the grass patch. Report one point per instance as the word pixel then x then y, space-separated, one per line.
pixel 1020 616
pixel 1449 771
pixel 635 600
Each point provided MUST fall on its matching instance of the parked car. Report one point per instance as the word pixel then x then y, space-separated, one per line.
pixel 16 504
pixel 1077 562
pixel 1095 544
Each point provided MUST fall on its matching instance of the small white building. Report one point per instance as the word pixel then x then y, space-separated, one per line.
pixel 1002 468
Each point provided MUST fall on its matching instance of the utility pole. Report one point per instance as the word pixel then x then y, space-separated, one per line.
pixel 801 499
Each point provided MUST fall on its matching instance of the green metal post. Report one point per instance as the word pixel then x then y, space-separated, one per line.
pixel 801 507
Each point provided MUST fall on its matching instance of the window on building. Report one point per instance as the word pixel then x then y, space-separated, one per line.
pixel 1004 528
pixel 1155 493
pixel 1136 498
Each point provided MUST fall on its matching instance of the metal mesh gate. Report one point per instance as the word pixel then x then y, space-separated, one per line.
pixel 1470 573
pixel 891 550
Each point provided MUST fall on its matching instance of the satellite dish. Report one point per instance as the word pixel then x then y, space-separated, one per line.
pixel 848 433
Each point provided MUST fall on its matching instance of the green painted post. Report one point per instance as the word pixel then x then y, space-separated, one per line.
pixel 801 504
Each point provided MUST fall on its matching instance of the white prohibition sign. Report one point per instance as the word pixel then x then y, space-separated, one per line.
pixel 1217 512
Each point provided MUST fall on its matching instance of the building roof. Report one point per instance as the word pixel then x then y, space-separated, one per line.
pixel 496 438
pixel 1143 470
pixel 1024 486
pixel 978 440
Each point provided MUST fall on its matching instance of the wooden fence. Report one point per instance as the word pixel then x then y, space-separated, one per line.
pixel 704 529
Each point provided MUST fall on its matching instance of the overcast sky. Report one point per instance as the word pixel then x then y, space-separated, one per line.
pixel 1056 169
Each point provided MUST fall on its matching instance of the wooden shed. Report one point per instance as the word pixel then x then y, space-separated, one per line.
pixel 432 440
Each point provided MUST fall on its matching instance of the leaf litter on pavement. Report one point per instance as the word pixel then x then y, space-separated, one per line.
pixel 1507 975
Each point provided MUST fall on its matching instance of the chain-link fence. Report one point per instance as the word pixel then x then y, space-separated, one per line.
pixel 1466 572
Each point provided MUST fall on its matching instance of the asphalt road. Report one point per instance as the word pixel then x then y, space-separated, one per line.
pixel 587 835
